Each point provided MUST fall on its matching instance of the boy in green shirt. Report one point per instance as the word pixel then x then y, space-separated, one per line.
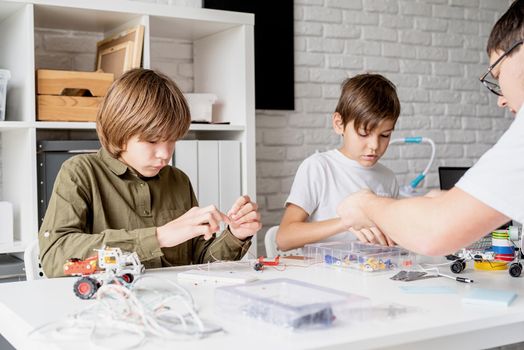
pixel 127 196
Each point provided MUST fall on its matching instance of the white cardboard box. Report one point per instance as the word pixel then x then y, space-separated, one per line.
pixel 6 223
pixel 201 106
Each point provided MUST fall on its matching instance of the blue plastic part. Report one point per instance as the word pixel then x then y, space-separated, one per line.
pixel 416 181
pixel 414 139
pixel 330 260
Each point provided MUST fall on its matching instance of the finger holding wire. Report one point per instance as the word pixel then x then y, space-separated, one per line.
pixel 245 218
pixel 238 205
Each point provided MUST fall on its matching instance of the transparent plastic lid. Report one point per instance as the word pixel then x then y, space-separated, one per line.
pixel 5 74
pixel 286 303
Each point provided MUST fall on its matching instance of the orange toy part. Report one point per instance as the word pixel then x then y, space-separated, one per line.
pixel 77 267
pixel 272 262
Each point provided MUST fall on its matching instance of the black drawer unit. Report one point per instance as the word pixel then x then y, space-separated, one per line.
pixel 50 156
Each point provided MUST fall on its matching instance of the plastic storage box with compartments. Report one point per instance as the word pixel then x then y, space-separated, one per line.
pixel 360 256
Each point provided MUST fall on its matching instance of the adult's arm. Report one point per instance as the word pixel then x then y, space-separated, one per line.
pixel 429 226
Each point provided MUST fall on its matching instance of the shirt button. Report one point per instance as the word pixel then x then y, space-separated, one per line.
pixel 46 234
pixel 141 184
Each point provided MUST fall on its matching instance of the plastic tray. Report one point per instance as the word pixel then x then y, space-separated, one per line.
pixel 286 303
pixel 359 256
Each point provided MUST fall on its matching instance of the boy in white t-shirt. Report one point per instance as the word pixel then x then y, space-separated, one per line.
pixel 365 117
pixel 489 194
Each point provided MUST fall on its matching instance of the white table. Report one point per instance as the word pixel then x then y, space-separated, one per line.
pixel 440 320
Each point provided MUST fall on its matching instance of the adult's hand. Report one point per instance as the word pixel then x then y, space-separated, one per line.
pixel 352 213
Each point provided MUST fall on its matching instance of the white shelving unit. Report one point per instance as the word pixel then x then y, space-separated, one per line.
pixel 223 60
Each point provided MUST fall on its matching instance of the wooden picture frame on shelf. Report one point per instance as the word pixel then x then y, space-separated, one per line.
pixel 109 51
pixel 116 59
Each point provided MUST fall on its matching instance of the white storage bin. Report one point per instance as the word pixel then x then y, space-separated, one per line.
pixel 5 75
pixel 6 223
pixel 201 106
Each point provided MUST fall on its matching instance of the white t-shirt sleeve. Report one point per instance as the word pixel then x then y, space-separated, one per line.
pixel 306 189
pixel 497 179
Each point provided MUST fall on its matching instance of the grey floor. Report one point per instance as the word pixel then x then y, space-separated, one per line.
pixel 517 346
pixel 4 344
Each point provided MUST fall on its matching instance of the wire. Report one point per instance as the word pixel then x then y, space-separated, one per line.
pixel 438 273
pixel 129 316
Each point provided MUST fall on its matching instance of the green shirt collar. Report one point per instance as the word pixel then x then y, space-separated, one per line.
pixel 114 164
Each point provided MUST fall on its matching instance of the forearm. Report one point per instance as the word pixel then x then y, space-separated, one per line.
pixel 297 234
pixel 434 226
pixel 409 222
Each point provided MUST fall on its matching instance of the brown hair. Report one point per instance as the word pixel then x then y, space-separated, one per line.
pixel 508 30
pixel 145 103
pixel 368 99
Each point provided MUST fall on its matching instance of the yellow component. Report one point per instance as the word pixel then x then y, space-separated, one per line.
pixel 110 260
pixel 490 265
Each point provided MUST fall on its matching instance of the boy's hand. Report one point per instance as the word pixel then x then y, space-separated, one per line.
pixel 195 222
pixel 245 219
pixel 372 235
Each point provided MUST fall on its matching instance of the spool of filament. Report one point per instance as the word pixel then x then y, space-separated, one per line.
pixel 502 246
pixel 490 265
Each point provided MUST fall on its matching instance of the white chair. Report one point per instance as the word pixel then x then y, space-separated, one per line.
pixel 270 242
pixel 33 268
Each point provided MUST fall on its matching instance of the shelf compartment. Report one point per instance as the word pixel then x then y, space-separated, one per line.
pixel 15 247
pixel 19 179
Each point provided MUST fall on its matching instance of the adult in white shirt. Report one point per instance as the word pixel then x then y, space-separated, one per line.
pixel 490 193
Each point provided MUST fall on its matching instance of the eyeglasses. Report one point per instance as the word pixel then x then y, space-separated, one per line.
pixel 491 85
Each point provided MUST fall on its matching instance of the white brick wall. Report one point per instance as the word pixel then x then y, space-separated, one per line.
pixel 433 50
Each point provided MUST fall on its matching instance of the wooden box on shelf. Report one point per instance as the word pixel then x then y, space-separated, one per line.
pixel 69 95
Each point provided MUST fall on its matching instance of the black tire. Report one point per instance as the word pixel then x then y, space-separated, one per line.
pixel 515 269
pixel 457 266
pixel 85 288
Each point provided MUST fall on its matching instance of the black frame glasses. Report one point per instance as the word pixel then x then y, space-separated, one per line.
pixel 491 85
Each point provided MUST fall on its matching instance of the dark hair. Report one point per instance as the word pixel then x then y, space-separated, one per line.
pixel 143 103
pixel 508 29
pixel 368 99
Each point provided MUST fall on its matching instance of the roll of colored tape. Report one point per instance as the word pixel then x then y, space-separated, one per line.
pixel 505 257
pixel 490 265
pixel 503 250
pixel 501 242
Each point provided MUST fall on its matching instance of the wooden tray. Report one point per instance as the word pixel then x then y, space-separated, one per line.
pixel 54 82
pixel 68 108
pixel 69 95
